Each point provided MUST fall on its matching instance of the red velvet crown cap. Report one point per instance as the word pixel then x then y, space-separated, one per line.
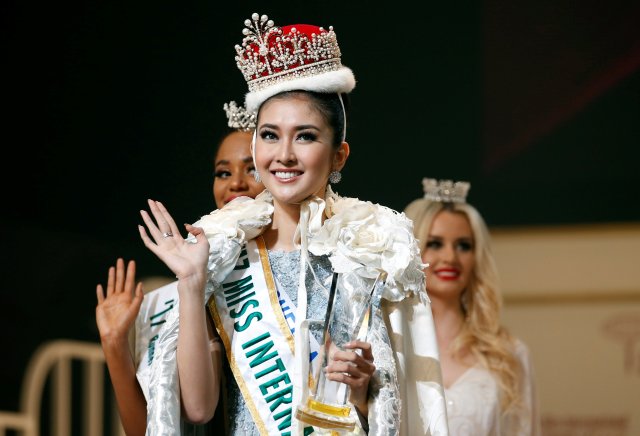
pixel 298 56
pixel 283 39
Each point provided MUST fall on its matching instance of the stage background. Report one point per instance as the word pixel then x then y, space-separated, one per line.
pixel 107 104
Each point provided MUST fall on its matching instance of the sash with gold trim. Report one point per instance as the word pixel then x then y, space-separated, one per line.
pixel 257 335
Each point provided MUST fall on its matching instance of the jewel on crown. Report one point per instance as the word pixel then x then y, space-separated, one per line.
pixel 238 117
pixel 445 190
pixel 270 54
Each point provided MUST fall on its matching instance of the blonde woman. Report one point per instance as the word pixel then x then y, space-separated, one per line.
pixel 487 373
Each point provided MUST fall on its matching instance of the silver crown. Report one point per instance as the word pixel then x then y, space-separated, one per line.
pixel 239 118
pixel 445 190
pixel 268 55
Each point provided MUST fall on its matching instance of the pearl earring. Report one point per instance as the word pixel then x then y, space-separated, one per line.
pixel 256 176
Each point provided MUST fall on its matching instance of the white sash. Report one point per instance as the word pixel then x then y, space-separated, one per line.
pixel 288 308
pixel 258 339
pixel 151 318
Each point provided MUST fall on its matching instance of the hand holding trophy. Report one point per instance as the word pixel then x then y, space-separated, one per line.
pixel 347 319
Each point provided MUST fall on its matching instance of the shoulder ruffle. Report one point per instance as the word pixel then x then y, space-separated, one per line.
pixel 359 236
pixel 228 228
pixel 244 218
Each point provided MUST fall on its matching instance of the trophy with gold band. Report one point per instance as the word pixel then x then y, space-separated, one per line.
pixel 348 317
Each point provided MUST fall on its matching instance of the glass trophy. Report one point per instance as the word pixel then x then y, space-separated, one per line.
pixel 348 318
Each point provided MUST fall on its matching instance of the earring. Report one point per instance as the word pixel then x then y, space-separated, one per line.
pixel 335 177
pixel 256 176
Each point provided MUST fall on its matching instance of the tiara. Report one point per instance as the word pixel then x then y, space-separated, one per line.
pixel 274 59
pixel 239 118
pixel 445 190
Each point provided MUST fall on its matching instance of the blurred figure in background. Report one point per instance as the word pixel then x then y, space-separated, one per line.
pixel 233 163
pixel 119 306
pixel 487 372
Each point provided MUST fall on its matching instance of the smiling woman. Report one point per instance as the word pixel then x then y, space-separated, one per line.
pixel 487 373
pixel 234 169
pixel 450 254
pixel 298 146
pixel 262 269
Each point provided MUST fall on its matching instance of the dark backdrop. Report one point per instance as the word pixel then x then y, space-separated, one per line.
pixel 107 104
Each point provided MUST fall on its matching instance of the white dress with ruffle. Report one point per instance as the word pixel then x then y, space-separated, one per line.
pixel 408 396
pixel 473 403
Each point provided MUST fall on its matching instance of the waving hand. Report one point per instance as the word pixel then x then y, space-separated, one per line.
pixel 185 259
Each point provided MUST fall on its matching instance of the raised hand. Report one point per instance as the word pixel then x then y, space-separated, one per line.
pixel 185 259
pixel 198 370
pixel 115 314
pixel 354 367
pixel 117 309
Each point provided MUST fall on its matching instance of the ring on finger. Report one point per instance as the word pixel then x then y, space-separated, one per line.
pixel 167 234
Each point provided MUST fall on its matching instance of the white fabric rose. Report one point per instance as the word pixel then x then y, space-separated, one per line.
pixel 243 218
pixel 365 238
pixel 227 229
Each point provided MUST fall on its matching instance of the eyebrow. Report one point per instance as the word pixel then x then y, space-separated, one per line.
pixel 301 127
pixel 462 238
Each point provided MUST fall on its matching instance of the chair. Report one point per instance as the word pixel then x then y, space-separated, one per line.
pixel 54 359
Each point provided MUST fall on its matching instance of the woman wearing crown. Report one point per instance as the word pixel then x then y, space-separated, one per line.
pixel 122 305
pixel 263 267
pixel 487 373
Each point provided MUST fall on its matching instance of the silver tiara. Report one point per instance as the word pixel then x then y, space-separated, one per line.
pixel 239 118
pixel 445 190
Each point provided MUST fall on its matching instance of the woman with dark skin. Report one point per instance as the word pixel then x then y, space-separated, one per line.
pixel 118 307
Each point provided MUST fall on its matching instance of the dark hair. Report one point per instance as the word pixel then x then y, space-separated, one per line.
pixel 329 106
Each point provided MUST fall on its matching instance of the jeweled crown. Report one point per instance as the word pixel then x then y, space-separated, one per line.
pixel 269 52
pixel 301 56
pixel 446 191
pixel 238 117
